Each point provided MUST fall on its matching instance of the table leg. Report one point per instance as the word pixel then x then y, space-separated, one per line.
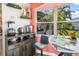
pixel 65 54
pixel 41 52
pixel 61 53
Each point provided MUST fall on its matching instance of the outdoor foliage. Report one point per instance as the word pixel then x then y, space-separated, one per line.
pixel 45 16
pixel 63 14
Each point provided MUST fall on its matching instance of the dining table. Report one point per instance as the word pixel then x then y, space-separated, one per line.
pixel 62 44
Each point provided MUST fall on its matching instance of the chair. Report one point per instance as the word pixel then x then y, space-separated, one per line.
pixel 42 44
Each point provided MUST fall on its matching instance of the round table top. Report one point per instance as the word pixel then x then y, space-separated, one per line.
pixel 62 44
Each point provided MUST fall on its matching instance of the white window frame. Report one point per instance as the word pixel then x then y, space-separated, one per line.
pixel 44 22
pixel 55 21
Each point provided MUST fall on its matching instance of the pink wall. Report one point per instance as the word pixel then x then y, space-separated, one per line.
pixel 33 6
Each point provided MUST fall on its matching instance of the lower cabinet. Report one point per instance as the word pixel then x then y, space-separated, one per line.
pixel 29 51
pixel 1 47
pixel 10 53
pixel 26 49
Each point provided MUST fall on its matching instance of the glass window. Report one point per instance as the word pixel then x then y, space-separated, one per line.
pixel 75 10
pixel 66 23
pixel 70 14
pixel 45 15
pixel 45 28
pixel 66 28
pixel 45 21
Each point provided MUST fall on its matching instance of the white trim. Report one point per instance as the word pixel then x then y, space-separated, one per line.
pixel 35 17
pixel 3 31
pixel 73 21
pixel 45 22
pixel 55 21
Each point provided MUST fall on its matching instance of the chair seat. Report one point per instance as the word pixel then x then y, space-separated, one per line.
pixel 40 45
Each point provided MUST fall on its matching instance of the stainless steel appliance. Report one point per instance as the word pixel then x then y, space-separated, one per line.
pixel 11 32
pixel 29 28
pixel 20 30
pixel 12 41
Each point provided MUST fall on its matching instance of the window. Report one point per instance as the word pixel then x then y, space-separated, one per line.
pixel 45 28
pixel 68 20
pixel 45 21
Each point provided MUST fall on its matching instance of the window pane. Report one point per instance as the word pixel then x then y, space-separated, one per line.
pixel 45 28
pixel 75 8
pixel 64 13
pixel 45 15
pixel 70 12
pixel 66 28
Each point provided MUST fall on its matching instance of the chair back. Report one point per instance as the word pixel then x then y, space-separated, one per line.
pixel 44 39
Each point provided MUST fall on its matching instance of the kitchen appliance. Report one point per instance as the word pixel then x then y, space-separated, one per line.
pixel 29 28
pixel 11 41
pixel 25 38
pixel 25 29
pixel 11 32
pixel 20 30
pixel 18 39
pixel 10 22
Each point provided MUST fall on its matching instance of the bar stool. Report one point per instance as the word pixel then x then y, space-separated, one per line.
pixel 42 44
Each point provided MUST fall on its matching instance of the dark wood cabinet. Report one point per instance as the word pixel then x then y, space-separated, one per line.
pixel 24 48
pixel 29 49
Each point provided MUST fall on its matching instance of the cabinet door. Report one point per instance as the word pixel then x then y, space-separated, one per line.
pixel 29 49
pixel 21 51
pixel 24 50
pixel 10 53
pixel 16 51
pixel 1 48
